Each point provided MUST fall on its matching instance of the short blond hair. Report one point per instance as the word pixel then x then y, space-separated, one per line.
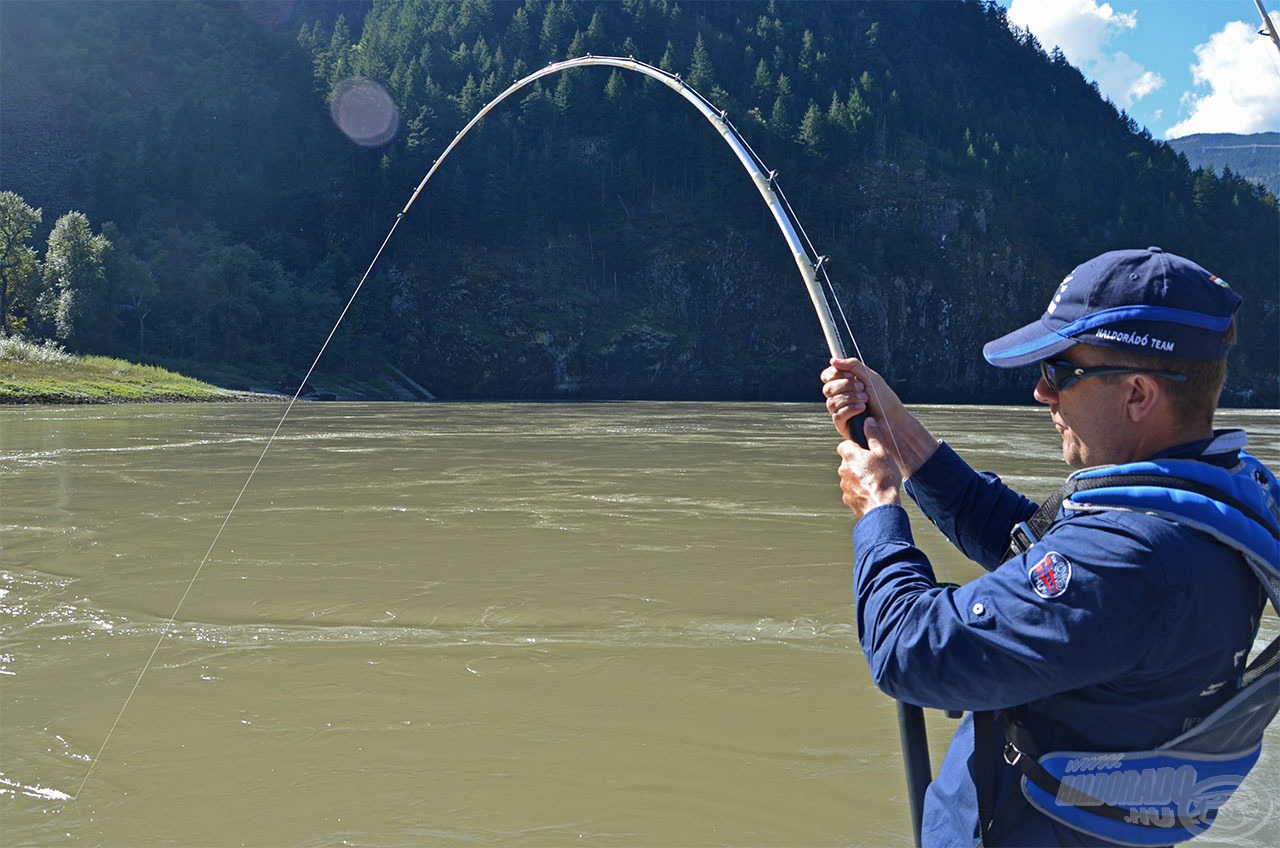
pixel 1194 399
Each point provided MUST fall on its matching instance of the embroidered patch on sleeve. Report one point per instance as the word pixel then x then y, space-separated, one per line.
pixel 1050 576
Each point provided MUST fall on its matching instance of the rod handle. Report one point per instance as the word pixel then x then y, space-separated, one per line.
pixel 857 429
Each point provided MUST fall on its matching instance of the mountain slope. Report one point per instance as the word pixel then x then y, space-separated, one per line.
pixel 1255 157
pixel 594 236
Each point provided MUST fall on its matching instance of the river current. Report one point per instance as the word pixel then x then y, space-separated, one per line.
pixel 462 624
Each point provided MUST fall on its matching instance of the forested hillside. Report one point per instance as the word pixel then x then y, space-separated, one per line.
pixel 1255 156
pixel 593 237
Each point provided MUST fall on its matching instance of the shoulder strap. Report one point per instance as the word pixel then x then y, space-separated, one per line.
pixel 986 769
pixel 1020 751
pixel 1180 483
pixel 1027 533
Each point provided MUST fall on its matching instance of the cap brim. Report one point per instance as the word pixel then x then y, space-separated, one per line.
pixel 1025 346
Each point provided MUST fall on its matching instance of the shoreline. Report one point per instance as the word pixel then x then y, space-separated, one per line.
pixel 81 395
pixel 42 373
pixel 20 392
pixel 45 374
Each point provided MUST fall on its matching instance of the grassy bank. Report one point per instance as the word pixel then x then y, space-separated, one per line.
pixel 31 373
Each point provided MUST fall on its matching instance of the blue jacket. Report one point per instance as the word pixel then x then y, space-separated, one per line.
pixel 1133 633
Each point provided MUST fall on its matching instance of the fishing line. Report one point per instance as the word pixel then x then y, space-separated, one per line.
pixel 835 298
pixel 169 624
pixel 871 384
pixel 819 267
pixel 807 261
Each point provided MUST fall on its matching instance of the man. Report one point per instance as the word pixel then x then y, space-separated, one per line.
pixel 1110 625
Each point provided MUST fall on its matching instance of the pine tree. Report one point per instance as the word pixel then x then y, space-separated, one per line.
pixel 616 88
pixel 518 39
pixel 596 39
pixel 668 60
pixel 701 75
pixel 808 52
pixel 837 114
pixel 856 108
pixel 556 28
pixel 762 85
pixel 812 129
pixel 780 118
pixel 335 63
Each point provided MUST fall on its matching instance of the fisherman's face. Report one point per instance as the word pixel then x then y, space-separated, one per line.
pixel 1090 413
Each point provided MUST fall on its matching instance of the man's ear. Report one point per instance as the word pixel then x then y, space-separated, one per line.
pixel 1145 397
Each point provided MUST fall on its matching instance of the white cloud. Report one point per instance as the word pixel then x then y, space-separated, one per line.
pixel 1083 29
pixel 1080 27
pixel 1123 80
pixel 1242 71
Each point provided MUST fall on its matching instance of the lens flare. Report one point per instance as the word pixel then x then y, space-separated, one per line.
pixel 364 112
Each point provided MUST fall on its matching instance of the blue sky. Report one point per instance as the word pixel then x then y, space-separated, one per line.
pixel 1177 66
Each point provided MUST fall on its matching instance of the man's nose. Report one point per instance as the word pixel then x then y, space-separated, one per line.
pixel 1042 392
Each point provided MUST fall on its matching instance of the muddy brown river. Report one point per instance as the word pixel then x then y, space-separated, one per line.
pixel 460 624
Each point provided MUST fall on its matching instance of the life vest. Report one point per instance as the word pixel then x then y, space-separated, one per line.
pixel 1172 792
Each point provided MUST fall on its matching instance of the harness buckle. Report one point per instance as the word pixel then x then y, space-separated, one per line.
pixel 1011 754
pixel 1022 537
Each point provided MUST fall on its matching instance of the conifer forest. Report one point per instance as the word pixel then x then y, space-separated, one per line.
pixel 175 189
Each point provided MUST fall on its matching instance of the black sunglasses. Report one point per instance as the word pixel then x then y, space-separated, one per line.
pixel 1060 375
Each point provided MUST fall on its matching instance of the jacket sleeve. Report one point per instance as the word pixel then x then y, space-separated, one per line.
pixel 998 642
pixel 975 510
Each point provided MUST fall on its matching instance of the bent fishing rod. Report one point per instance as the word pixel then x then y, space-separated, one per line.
pixel 1268 25
pixel 808 261
pixel 764 179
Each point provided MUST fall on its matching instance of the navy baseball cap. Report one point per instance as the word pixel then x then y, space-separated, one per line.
pixel 1139 301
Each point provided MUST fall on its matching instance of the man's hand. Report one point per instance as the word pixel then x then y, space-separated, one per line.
pixel 850 388
pixel 868 478
pixel 846 393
